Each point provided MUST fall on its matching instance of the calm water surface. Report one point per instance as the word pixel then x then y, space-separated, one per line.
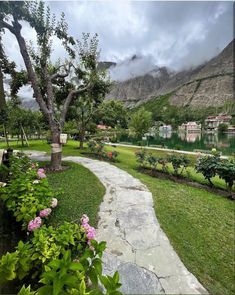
pixel 189 141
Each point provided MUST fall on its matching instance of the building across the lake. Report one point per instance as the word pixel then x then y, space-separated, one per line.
pixel 165 128
pixel 212 122
pixel 190 127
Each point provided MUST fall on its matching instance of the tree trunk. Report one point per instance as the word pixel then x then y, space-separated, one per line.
pixel 56 150
pixel 82 136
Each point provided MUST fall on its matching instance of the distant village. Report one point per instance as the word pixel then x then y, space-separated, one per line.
pixel 211 125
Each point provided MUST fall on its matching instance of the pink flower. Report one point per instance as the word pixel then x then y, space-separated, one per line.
pixel 84 219
pixel 33 166
pixel 41 173
pixel 45 212
pixel 90 233
pixel 54 202
pixel 34 224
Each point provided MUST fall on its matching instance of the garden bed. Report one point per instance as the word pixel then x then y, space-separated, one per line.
pixel 185 180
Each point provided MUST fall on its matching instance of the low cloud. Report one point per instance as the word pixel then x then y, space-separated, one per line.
pixel 137 65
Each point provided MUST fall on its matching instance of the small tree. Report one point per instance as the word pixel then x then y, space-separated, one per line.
pixel 207 165
pixel 178 162
pixel 140 122
pixel 226 171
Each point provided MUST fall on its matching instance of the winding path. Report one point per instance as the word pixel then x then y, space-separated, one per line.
pixel 136 245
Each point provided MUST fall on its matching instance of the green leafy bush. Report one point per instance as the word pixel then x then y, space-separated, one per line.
pixel 26 196
pixel 178 162
pixel 226 171
pixel 207 165
pixel 61 256
pixel 141 156
pixel 112 156
pixel 152 161
pixel 97 149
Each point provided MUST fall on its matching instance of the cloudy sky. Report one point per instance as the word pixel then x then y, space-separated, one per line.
pixel 174 34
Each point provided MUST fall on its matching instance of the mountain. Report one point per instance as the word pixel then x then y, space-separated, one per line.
pixel 208 85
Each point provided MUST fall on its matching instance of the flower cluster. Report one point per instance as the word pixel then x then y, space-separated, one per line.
pixel 54 203
pixel 37 222
pixel 90 231
pixel 34 224
pixel 45 212
pixel 110 155
pixel 2 184
pixel 41 173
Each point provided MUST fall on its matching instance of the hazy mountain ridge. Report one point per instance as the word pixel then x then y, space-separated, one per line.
pixel 203 86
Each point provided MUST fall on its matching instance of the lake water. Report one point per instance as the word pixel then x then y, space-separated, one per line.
pixel 188 141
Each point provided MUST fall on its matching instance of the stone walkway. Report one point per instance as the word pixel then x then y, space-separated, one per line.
pixel 136 245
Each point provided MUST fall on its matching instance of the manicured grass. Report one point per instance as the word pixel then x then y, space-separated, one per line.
pixel 199 224
pixel 82 193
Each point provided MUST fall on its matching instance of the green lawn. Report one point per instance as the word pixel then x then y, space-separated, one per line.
pixel 200 225
pixel 82 193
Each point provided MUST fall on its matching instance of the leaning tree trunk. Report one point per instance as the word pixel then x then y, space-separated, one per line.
pixel 56 149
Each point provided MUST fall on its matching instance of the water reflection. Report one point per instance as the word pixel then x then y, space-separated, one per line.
pixel 165 134
pixel 189 141
pixel 190 136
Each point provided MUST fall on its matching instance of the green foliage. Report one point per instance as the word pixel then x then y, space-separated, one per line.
pixel 112 113
pixel 207 165
pixel 152 161
pixel 223 127
pixel 67 276
pixel 16 264
pixel 140 122
pixel 111 156
pixel 66 236
pixel 178 161
pixel 141 156
pixel 97 149
pixel 226 171
pixel 164 111
pixel 26 291
pixel 65 270
pixel 25 195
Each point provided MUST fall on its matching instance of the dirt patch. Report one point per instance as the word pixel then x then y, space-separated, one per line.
pixel 184 180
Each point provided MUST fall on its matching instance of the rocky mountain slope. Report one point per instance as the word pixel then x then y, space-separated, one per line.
pixel 207 85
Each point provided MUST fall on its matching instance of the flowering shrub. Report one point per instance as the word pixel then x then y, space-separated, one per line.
pixel 112 156
pixel 34 224
pixel 71 249
pixel 97 149
pixel 27 193
pixel 66 256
